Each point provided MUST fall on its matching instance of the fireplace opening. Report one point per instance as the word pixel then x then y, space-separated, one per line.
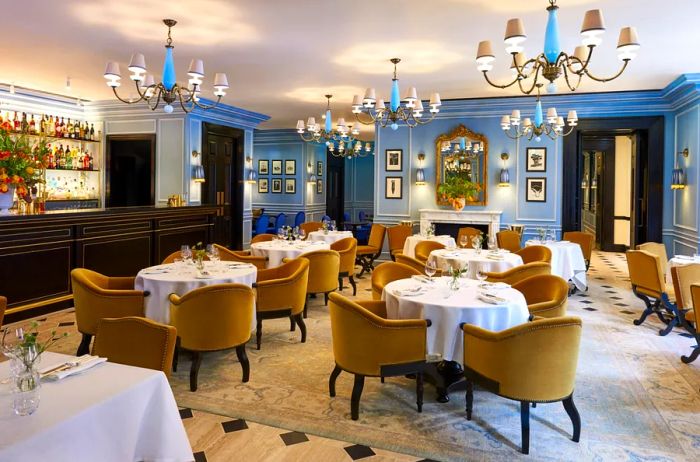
pixel 452 229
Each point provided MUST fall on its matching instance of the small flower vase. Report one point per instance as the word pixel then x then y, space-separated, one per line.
pixel 7 199
pixel 453 283
pixel 199 263
pixel 27 381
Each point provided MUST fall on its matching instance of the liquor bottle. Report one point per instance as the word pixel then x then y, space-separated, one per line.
pixel 69 129
pixel 81 131
pixel 86 161
pixel 59 157
pixel 92 132
pixel 76 131
pixel 42 125
pixel 50 127
pixel 16 124
pixel 69 159
pixel 32 126
pixel 24 125
pixel 59 129
pixel 91 166
pixel 76 158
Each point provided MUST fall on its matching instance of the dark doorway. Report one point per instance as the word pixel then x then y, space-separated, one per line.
pixel 599 206
pixel 222 158
pixel 335 187
pixel 130 175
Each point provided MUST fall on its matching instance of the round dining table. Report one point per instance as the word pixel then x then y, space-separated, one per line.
pixel 567 261
pixel 414 298
pixel 277 250
pixel 496 262
pixel 328 236
pixel 179 278
pixel 409 246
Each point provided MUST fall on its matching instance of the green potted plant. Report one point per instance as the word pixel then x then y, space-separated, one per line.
pixel 457 190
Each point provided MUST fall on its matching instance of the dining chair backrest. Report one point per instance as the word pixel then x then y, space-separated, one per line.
pixel 299 218
pixel 280 221
pixel 658 249
pixel 397 236
pixel 376 236
pixel 683 277
pixel 388 272
pixel 646 272
pixel 509 240
pixel 585 240
pixel 3 307
pixel 262 224
pixel 424 248
pixel 346 216
pixel 362 215
pixel 469 232
pixel 325 218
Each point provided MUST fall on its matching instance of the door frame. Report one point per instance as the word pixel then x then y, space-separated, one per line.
pixel 332 161
pixel 571 170
pixel 108 154
pixel 237 175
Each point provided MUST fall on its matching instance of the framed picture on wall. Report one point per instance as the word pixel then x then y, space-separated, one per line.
pixel 319 168
pixel 290 185
pixel 263 185
pixel 276 167
pixel 394 160
pixel 277 185
pixel 290 167
pixel 263 167
pixel 536 190
pixel 536 159
pixel 319 186
pixel 394 188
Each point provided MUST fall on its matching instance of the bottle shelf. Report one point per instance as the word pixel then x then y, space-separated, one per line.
pixel 54 138
pixel 69 170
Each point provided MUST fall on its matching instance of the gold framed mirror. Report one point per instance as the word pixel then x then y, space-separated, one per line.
pixel 462 156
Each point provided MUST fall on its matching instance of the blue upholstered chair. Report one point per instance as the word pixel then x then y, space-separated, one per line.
pixel 346 218
pixel 299 218
pixel 325 218
pixel 280 221
pixel 261 225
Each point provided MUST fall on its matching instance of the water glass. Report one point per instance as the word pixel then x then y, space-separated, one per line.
pixel 481 273
pixel 302 233
pixel 430 268
pixel 463 241
pixel 332 225
pixel 186 252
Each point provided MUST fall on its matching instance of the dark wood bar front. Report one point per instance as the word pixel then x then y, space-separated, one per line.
pixel 37 252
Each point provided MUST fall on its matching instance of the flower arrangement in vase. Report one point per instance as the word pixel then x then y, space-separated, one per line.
pixel 22 167
pixel 457 190
pixel 199 252
pixel 478 241
pixel 455 273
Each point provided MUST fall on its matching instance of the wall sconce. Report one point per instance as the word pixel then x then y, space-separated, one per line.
pixel 504 177
pixel 198 174
pixel 420 173
pixel 311 179
pixel 251 176
pixel 195 154
pixel 678 180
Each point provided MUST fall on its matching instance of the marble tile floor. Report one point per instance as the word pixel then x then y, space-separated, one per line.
pixel 659 384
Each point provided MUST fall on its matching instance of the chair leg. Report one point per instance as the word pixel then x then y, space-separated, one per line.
pixel 258 332
pixel 340 283
pixel 176 353
pixel 693 355
pixel 331 382
pixel 525 426
pixel 381 379
pixel 306 304
pixel 302 326
pixel 194 371
pixel 470 399
pixel 292 324
pixel 356 394
pixel 647 311
pixel 325 299
pixel 84 347
pixel 534 405
pixel 419 391
pixel 354 286
pixel 574 416
pixel 243 359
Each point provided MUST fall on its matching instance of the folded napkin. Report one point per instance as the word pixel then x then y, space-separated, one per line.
pixel 422 278
pixel 491 298
pixel 204 276
pixel 408 292
pixel 684 257
pixel 495 257
pixel 63 370
pixel 494 285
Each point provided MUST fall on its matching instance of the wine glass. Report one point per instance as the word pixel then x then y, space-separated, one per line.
pixel 280 234
pixel 492 244
pixel 430 268
pixel 213 253
pixel 186 253
pixel 302 234
pixel 332 225
pixel 463 241
pixel 481 273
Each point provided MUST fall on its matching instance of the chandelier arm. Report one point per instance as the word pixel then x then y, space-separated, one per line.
pixel 188 108
pixel 534 82
pixel 308 140
pixel 114 89
pixel 584 64
pixel 372 121
pixel 522 68
pixel 497 85
pixel 571 129
pixel 608 79
pixel 568 83
pixel 512 137
pixel 425 121
pixel 206 106
pixel 142 96
pixel 157 100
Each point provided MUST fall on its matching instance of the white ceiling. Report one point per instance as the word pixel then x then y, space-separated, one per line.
pixel 281 56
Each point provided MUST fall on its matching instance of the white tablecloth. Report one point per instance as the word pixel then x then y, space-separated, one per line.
pixel 485 261
pixel 409 247
pixel 567 261
pixel 330 237
pixel 276 251
pixel 108 413
pixel 180 281
pixel 444 336
pixel 678 260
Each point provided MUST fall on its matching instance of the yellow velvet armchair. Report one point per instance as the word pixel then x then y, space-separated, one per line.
pixel 469 232
pixel 280 293
pixel 692 316
pixel 347 249
pixel 262 238
pixel 585 240
pixel 684 277
pixel 534 362
pixel 648 280
pixel 366 254
pixel 415 264
pixel 533 253
pixel 324 266
pixel 213 318
pixel 387 272
pixel 658 249
pixel 3 307
pixel 519 273
pixel 397 238
pixel 546 295
pixel 367 344
pixel 423 249
pixel 310 227
pixel 136 341
pixel 242 256
pixel 508 240
pixel 96 296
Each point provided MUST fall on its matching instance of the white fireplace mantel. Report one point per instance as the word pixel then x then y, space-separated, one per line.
pixel 492 218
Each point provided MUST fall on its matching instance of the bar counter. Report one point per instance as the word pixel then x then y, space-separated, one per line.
pixel 38 252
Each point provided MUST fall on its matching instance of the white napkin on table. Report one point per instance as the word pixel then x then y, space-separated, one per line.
pixel 491 298
pixel 408 292
pixel 70 368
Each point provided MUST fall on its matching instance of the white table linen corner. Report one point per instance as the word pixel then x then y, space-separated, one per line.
pixel 567 261
pixel 409 246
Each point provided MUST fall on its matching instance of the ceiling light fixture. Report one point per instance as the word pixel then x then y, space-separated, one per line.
pixel 552 126
pixel 411 113
pixel 552 63
pixel 168 90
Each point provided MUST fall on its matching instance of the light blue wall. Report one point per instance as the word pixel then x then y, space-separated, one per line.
pixel 677 103
pixel 359 186
pixel 283 145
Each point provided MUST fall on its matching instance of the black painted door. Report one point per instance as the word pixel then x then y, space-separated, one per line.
pixel 335 188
